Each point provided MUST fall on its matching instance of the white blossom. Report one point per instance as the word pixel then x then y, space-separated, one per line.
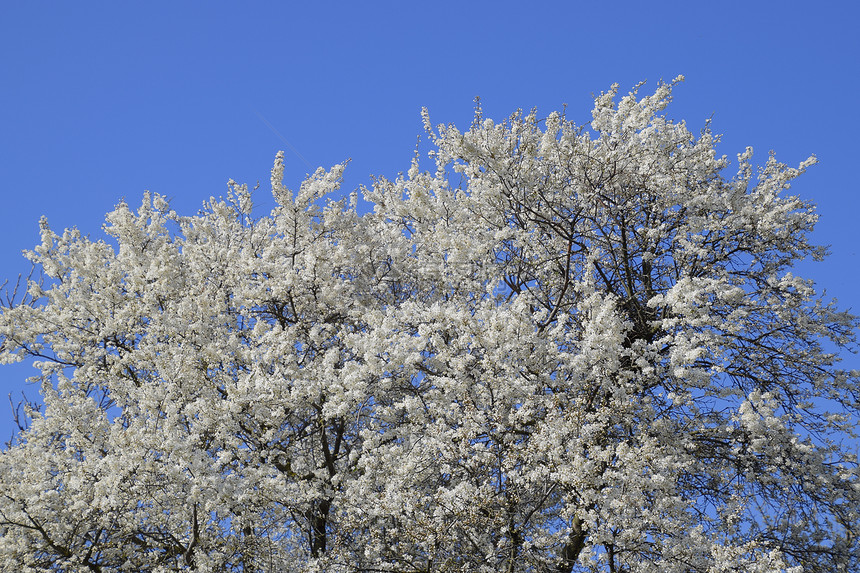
pixel 559 348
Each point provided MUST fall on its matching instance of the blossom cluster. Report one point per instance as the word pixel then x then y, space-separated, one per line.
pixel 563 348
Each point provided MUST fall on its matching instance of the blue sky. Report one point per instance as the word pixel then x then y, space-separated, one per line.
pixel 101 101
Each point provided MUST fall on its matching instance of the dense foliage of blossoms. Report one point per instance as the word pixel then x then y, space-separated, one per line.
pixel 562 349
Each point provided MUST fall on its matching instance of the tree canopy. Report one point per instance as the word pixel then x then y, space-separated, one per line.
pixel 560 349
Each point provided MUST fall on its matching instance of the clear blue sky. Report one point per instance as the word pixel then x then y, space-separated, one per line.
pixel 101 100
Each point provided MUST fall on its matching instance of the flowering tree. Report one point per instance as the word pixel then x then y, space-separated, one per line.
pixel 563 349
